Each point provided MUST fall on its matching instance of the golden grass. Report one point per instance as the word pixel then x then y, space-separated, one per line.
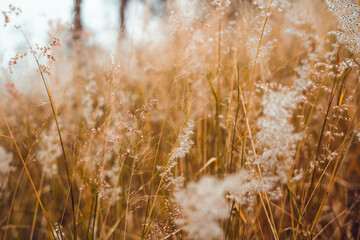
pixel 120 121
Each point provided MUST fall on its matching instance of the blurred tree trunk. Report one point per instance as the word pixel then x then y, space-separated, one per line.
pixel 77 20
pixel 123 4
pixel 78 50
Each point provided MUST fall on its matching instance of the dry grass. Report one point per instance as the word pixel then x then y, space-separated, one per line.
pixel 242 122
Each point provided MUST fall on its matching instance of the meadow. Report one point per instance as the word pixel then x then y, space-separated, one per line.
pixel 238 120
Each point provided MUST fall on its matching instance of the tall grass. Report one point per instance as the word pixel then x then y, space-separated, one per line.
pixel 240 120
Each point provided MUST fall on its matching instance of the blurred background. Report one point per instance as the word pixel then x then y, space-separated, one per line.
pixel 102 22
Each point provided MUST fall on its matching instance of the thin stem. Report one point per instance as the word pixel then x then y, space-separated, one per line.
pixel 28 173
pixel 58 129
pixel 93 232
